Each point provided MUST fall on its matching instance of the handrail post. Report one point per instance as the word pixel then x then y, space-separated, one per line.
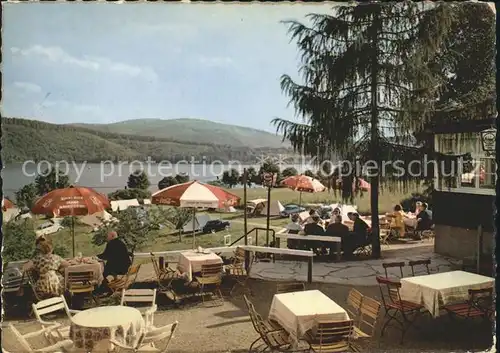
pixel 310 270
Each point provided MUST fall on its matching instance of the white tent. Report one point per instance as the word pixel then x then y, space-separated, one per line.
pixel 120 205
pixel 10 214
pixel 261 207
pixel 230 209
pixel 200 222
pixel 95 220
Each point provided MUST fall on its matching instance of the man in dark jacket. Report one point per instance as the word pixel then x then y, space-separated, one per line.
pixel 314 228
pixel 358 236
pixel 337 229
pixel 116 256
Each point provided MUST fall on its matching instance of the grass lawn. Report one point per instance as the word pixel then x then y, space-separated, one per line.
pixel 166 239
pixel 387 200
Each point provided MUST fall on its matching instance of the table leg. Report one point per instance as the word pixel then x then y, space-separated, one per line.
pixel 339 250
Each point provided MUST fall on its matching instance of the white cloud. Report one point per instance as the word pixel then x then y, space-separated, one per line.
pixel 58 55
pixel 216 61
pixel 28 87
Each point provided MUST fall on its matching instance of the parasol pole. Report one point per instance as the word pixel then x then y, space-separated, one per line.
pixel 194 228
pixel 300 198
pixel 73 233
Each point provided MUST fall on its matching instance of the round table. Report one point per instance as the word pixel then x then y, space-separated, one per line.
pixel 92 329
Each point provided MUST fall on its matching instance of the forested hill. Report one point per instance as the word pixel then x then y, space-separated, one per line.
pixel 193 130
pixel 24 139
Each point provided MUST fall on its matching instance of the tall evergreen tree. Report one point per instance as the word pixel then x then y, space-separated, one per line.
pixel 362 66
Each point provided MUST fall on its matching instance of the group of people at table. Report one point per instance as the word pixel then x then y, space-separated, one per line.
pixel 359 233
pixel 49 268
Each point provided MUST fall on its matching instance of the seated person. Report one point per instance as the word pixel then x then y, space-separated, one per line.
pixel 359 233
pixel 294 228
pixel 116 256
pixel 314 228
pixel 397 222
pixel 418 206
pixel 309 219
pixel 424 219
pixel 337 229
pixel 50 282
pixel 336 212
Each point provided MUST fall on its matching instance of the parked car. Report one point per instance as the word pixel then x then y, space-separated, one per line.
pixel 48 228
pixel 291 209
pixel 215 226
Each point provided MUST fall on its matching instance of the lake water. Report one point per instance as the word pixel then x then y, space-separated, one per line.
pixel 107 178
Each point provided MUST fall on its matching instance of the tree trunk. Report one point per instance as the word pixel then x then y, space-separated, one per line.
pixel 374 139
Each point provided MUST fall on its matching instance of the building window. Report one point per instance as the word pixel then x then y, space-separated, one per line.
pixel 477 175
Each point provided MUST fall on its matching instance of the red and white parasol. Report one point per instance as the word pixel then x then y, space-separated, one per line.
pixel 303 183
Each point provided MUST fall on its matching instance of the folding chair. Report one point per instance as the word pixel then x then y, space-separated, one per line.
pixel 387 265
pixel 125 281
pixel 354 300
pixel 236 270
pixel 211 275
pixel 149 340
pixel 143 296
pixel 425 263
pixel 81 283
pixel 290 287
pixel 393 306
pixel 479 304
pixel 24 345
pixel 163 274
pixel 50 306
pixel 369 311
pixel 331 337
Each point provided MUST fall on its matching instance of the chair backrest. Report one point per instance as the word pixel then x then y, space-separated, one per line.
pixel 212 270
pixel 25 346
pixel 370 309
pixel 252 312
pixel 392 294
pixel 132 273
pixel 481 299
pixel 80 277
pixel 156 266
pixel 49 306
pixel 334 331
pixel 32 278
pixel 158 334
pixel 387 265
pixel 354 300
pixel 12 280
pixel 239 256
pixel 290 287
pixel 138 296
pixel 425 263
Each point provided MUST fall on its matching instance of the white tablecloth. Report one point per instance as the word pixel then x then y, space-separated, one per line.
pixel 92 329
pixel 298 312
pixel 441 288
pixel 191 261
pixel 96 268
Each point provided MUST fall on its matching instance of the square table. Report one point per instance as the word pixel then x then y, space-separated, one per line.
pixel 191 262
pixel 442 288
pixel 299 312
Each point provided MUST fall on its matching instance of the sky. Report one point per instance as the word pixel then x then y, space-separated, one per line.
pixel 105 62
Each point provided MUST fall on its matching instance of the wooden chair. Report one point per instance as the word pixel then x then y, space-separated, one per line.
pixel 236 270
pixel 370 309
pixel 354 301
pixel 51 306
pixel 384 236
pixel 425 263
pixel 148 341
pixel 211 275
pixel 32 277
pixel 24 345
pixel 331 336
pixel 125 281
pixel 395 307
pixel 387 265
pixel 274 337
pixel 290 287
pixel 81 283
pixel 479 304
pixel 165 274
pixel 143 296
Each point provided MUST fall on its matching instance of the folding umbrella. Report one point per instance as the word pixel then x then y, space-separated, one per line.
pixel 72 201
pixel 194 194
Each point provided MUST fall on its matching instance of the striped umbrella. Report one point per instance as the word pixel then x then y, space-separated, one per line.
pixel 303 183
